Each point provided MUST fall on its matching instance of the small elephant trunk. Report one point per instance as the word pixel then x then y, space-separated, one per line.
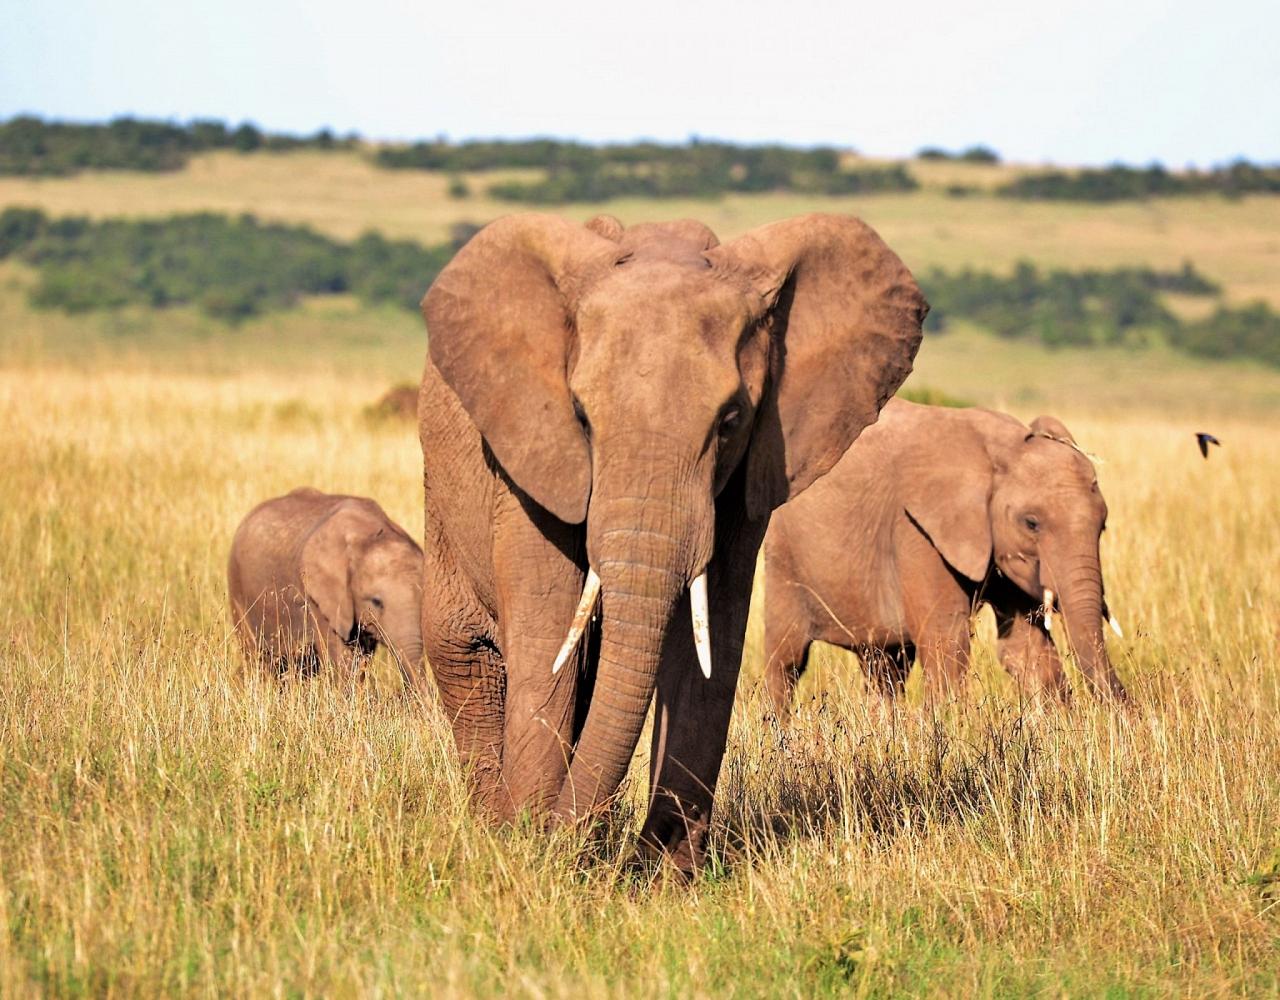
pixel 404 640
pixel 408 657
pixel 1081 600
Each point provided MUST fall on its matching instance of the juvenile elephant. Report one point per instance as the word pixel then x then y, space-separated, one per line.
pixel 316 576
pixel 932 512
pixel 608 416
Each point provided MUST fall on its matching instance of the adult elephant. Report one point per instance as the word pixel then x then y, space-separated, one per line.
pixel 608 417
pixel 932 512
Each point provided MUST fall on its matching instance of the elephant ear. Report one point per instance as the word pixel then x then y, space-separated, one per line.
pixel 608 226
pixel 1051 427
pixel 844 317
pixel 327 557
pixel 945 476
pixel 499 325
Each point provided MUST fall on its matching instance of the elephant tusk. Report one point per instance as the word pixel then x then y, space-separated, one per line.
pixel 1048 609
pixel 701 622
pixel 1110 619
pixel 590 594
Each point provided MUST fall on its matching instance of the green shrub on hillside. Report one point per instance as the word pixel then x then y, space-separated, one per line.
pixel 578 173
pixel 555 155
pixel 230 268
pixel 18 228
pixel 30 145
pixel 480 155
pixel 396 272
pixel 1251 332
pixel 1123 183
pixel 235 268
pixel 867 180
pixel 974 154
pixel 602 184
pixel 1087 308
pixel 1062 307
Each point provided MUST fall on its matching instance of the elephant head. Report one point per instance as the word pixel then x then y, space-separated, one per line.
pixel 622 377
pixel 363 575
pixel 1026 501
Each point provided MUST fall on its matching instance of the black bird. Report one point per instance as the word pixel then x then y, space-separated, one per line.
pixel 1204 440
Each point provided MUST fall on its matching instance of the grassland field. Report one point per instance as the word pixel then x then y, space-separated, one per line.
pixel 173 825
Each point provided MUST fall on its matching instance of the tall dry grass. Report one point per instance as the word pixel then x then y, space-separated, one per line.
pixel 171 825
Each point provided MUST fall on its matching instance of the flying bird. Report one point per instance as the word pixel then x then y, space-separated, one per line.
pixel 1204 440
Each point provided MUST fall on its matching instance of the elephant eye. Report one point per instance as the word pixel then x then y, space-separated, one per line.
pixel 729 420
pixel 581 416
pixel 376 602
pixel 1032 522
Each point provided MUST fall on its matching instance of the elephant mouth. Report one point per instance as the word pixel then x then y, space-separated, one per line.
pixel 1021 568
pixel 1050 604
pixel 362 638
pixel 699 614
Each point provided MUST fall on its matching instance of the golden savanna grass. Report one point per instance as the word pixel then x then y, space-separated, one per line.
pixel 169 824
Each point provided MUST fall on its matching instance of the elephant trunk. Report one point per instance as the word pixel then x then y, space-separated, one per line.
pixel 404 639
pixel 1079 593
pixel 647 549
pixel 409 659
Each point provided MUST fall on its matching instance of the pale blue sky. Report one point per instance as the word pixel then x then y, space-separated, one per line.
pixel 1092 81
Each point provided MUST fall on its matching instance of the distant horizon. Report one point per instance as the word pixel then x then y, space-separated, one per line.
pixel 853 148
pixel 1087 82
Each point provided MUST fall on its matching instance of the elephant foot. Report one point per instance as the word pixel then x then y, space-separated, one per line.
pixel 1114 694
pixel 487 792
pixel 675 838
pixel 651 868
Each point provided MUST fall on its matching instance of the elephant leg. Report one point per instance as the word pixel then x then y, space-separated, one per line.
pixel 944 654
pixel 460 645
pixel 539 580
pixel 691 723
pixel 303 661
pixel 244 633
pixel 937 615
pixel 788 657
pixel 887 668
pixel 937 610
pixel 268 644
pixel 257 652
pixel 1027 652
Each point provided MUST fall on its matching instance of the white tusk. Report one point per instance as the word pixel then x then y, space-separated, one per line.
pixel 1048 610
pixel 701 619
pixel 590 593
pixel 1115 627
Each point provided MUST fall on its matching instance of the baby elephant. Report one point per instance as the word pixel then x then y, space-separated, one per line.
pixel 316 576
pixel 931 512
